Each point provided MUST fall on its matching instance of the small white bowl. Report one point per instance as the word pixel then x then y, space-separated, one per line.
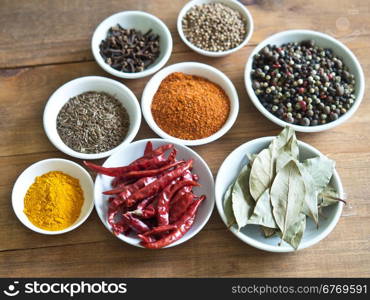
pixel 198 69
pixel 134 151
pixel 252 234
pixel 230 3
pixel 140 21
pixel 85 84
pixel 27 178
pixel 322 40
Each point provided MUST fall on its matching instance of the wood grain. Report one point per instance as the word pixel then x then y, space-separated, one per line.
pixel 57 31
pixel 44 44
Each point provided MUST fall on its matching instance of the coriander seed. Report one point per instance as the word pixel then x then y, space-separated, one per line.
pixel 214 27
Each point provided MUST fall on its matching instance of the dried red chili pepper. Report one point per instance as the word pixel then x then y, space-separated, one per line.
pixel 180 193
pixel 147 163
pixel 154 183
pixel 111 171
pixel 146 213
pixel 188 176
pixel 172 156
pixel 150 172
pixel 134 223
pixel 132 175
pixel 148 148
pixel 152 159
pixel 159 184
pixel 146 239
pixel 155 152
pixel 113 210
pixel 164 198
pixel 143 204
pixel 114 207
pixel 132 187
pixel 145 209
pixel 180 207
pixel 183 225
pixel 119 227
pixel 192 210
pixel 160 229
pixel 118 181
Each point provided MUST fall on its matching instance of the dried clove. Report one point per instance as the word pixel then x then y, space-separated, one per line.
pixel 129 50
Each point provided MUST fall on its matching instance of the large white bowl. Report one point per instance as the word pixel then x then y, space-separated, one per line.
pixel 85 84
pixel 134 151
pixel 252 234
pixel 140 21
pixel 27 178
pixel 322 40
pixel 192 68
pixel 231 3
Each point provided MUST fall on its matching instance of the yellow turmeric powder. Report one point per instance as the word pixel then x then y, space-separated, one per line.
pixel 53 202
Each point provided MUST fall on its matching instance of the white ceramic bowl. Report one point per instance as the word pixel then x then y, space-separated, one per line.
pixel 192 68
pixel 27 178
pixel 134 151
pixel 252 234
pixel 231 3
pixel 322 40
pixel 140 21
pixel 81 85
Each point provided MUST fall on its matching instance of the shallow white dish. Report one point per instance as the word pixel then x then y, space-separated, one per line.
pixel 322 40
pixel 140 21
pixel 81 85
pixel 134 151
pixel 27 178
pixel 192 68
pixel 231 3
pixel 252 234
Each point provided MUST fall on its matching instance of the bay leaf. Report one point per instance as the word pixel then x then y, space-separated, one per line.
pixel 264 164
pixel 294 235
pixel 268 232
pixel 251 158
pixel 327 197
pixel 228 207
pixel 321 169
pixel 287 197
pixel 310 198
pixel 316 174
pixel 242 201
pixel 288 152
pixel 280 141
pixel 261 174
pixel 262 213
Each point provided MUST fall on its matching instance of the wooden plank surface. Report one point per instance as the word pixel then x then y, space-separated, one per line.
pixel 44 44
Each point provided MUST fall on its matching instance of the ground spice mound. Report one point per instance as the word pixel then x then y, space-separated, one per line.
pixel 190 107
pixel 54 201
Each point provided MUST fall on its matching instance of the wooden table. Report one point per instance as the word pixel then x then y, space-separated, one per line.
pixel 44 44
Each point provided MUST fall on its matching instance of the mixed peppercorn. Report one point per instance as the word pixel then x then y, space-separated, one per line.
pixel 152 197
pixel 302 83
